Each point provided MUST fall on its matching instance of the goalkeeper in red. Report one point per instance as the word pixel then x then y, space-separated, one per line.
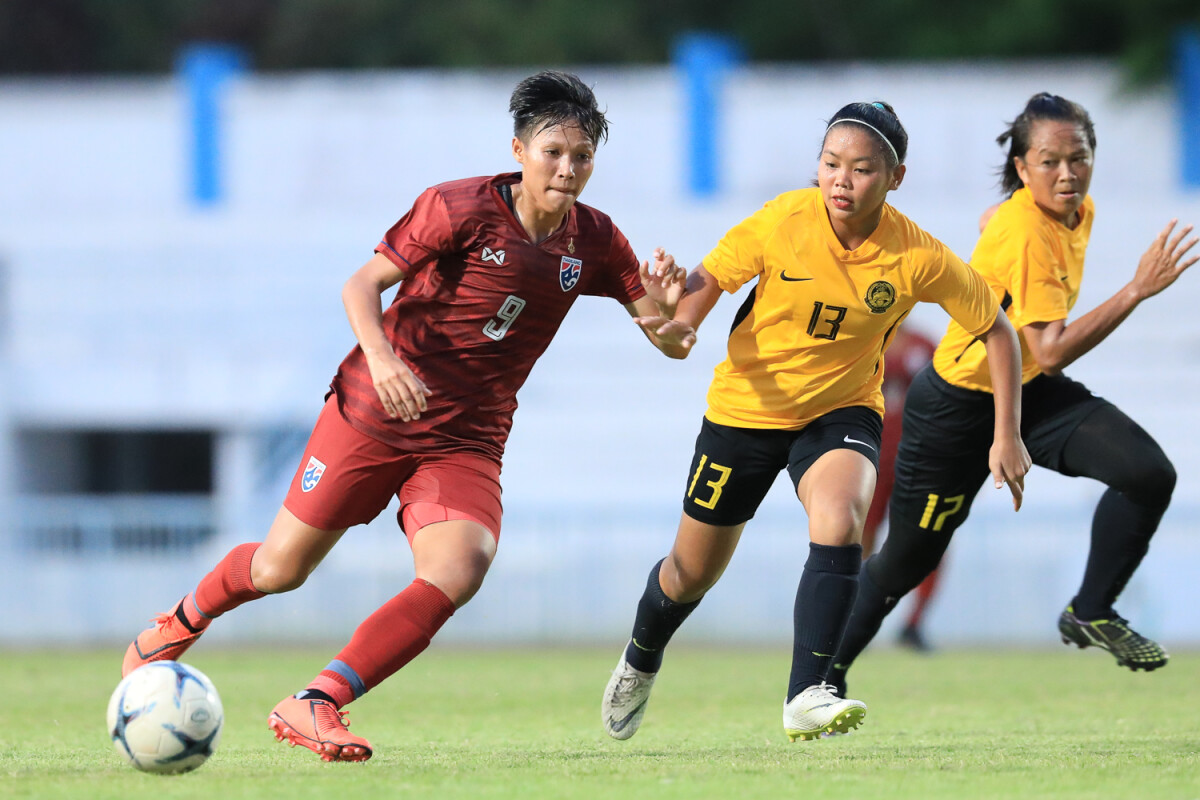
pixel 420 410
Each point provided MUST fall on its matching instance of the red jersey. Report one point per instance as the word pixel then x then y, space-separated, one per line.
pixel 907 355
pixel 478 305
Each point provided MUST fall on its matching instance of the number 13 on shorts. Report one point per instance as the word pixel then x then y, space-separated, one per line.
pixel 716 486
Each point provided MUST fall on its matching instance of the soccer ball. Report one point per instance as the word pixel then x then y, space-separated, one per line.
pixel 165 717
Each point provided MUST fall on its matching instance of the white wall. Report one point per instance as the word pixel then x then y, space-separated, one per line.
pixel 129 307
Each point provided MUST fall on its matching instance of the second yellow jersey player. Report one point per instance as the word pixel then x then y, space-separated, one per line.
pixel 1031 253
pixel 1035 265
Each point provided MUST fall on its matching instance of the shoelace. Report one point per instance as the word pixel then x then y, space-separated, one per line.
pixel 164 619
pixel 625 687
pixel 326 716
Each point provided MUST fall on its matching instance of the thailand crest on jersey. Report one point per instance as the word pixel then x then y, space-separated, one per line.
pixel 568 272
pixel 312 474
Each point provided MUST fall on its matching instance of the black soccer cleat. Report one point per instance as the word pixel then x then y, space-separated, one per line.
pixel 1129 647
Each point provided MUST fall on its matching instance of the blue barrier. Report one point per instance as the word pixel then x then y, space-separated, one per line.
pixel 704 59
pixel 1187 48
pixel 204 69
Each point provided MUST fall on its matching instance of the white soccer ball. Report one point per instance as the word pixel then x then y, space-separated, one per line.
pixel 165 717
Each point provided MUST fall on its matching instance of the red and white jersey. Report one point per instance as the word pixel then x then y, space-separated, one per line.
pixel 907 355
pixel 478 305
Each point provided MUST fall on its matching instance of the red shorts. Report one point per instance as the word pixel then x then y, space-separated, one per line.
pixel 346 478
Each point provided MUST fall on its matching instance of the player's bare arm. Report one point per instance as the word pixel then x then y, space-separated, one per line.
pixel 1055 344
pixel 400 391
pixel 1008 459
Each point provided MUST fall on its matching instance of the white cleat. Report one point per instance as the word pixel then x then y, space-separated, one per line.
pixel 625 699
pixel 818 712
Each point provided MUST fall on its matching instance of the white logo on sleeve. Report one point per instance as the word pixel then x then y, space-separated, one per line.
pixel 848 440
pixel 312 474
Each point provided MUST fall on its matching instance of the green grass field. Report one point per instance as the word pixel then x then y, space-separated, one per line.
pixel 525 724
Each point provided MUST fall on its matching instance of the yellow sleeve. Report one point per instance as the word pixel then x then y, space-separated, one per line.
pixel 738 257
pixel 962 292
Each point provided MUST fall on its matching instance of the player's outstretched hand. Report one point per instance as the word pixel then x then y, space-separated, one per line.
pixel 669 331
pixel 400 391
pixel 663 280
pixel 1010 463
pixel 1164 261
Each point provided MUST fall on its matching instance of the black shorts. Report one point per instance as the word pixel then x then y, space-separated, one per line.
pixel 943 457
pixel 733 468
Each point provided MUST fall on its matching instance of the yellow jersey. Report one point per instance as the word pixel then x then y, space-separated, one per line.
pixel 811 337
pixel 1033 263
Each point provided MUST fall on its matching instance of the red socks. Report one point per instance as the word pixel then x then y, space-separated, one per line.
pixel 223 589
pixel 387 640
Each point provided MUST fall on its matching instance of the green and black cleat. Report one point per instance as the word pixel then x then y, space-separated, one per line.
pixel 1129 647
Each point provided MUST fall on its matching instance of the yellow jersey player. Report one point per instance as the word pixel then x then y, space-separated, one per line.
pixel 1031 253
pixel 837 270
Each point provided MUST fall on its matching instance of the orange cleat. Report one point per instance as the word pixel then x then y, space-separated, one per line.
pixel 319 726
pixel 166 640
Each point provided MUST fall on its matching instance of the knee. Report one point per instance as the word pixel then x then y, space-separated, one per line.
pixel 275 577
pixel 469 579
pixel 685 582
pixel 1154 482
pixel 898 571
pixel 460 577
pixel 838 527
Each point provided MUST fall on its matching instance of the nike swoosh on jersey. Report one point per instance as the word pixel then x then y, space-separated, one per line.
pixel 784 275
pixel 848 440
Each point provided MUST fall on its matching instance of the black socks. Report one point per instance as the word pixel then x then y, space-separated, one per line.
pixel 658 617
pixel 824 600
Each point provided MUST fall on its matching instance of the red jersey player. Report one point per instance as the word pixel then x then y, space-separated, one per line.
pixel 421 408
pixel 905 357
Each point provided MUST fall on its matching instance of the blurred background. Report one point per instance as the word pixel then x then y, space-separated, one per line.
pixel 185 185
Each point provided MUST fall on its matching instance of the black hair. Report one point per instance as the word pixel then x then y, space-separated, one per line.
pixel 1042 105
pixel 880 118
pixel 551 98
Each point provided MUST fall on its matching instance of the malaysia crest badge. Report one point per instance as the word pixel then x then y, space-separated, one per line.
pixel 569 270
pixel 880 296
pixel 312 474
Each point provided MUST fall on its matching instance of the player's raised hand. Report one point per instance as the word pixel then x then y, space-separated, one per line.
pixel 663 280
pixel 1164 261
pixel 400 391
pixel 1009 462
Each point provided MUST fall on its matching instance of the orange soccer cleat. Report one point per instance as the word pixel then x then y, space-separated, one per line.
pixel 319 726
pixel 168 639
